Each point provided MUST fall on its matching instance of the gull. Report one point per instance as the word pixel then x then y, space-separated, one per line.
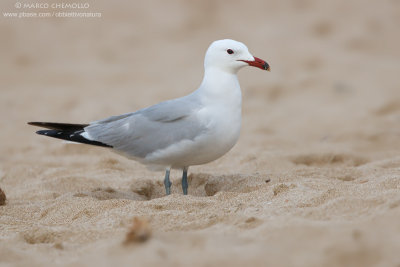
pixel 191 130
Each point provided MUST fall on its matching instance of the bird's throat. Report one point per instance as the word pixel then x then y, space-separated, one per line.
pixel 221 87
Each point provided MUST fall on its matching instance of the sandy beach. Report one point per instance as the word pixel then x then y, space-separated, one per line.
pixel 314 179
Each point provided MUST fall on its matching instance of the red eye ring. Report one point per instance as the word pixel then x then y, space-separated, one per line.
pixel 229 51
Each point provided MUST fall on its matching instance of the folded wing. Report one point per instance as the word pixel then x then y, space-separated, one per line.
pixel 145 131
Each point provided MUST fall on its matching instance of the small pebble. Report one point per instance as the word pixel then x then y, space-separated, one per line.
pixel 139 232
pixel 2 198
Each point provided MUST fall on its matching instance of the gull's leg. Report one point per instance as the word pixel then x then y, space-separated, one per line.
pixel 184 181
pixel 167 182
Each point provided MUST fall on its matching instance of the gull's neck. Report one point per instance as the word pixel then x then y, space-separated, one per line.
pixel 221 86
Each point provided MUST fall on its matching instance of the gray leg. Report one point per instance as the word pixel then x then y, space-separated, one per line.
pixel 184 181
pixel 167 182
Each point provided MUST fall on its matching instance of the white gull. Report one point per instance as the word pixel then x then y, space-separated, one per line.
pixel 191 130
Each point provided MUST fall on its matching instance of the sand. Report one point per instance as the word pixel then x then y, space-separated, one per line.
pixel 313 181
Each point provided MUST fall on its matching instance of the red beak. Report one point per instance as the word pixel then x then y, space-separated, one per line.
pixel 259 63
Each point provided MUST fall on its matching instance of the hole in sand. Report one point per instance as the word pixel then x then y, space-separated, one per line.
pixel 201 184
pixel 109 193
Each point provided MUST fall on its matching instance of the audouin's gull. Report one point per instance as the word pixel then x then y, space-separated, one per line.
pixel 191 130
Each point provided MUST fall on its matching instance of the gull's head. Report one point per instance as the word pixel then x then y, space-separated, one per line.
pixel 230 56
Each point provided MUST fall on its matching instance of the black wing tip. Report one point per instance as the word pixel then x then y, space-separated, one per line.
pixel 41 123
pixel 72 136
pixel 59 126
pixel 42 132
pixel 66 131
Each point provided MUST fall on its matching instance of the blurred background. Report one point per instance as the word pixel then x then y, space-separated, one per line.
pixel 334 65
pixel 330 104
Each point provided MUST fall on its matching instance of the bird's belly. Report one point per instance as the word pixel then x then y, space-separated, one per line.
pixel 213 146
pixel 218 140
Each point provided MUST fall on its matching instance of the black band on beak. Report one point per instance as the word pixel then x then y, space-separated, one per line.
pixel 266 66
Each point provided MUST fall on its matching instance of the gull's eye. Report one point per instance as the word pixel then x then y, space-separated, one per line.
pixel 229 51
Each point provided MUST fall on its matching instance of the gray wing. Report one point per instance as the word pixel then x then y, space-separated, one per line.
pixel 149 129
